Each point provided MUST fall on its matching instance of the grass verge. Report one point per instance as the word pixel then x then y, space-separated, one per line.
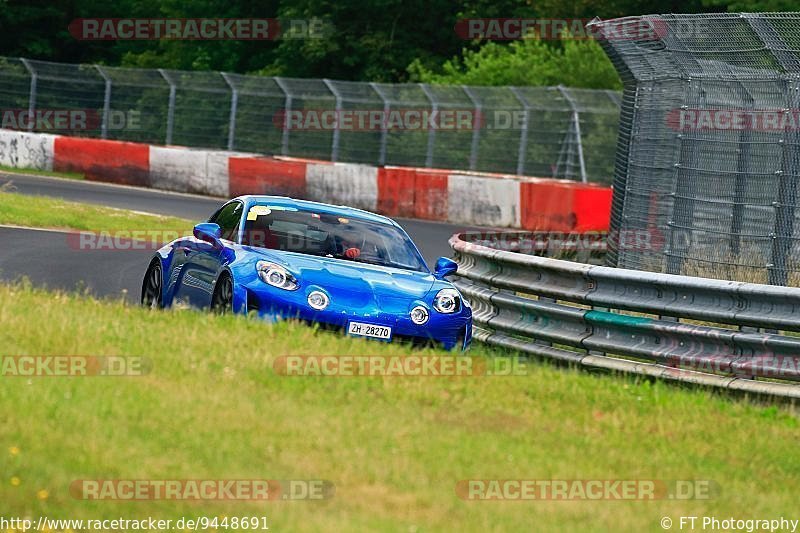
pixel 213 408
pixel 45 212
pixel 36 172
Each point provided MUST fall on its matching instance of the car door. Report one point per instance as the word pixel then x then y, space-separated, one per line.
pixel 202 261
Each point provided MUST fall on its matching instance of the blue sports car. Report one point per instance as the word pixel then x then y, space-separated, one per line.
pixel 331 265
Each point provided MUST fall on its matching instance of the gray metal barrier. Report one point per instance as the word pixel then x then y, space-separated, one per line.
pixel 723 193
pixel 734 335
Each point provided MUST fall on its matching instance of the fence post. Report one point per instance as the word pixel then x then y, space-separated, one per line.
pixel 171 108
pixel 566 151
pixel 627 123
pixel 234 106
pixel 681 222
pixel 523 134
pixel 106 102
pixel 431 127
pixel 287 108
pixel 577 128
pixel 337 129
pixel 785 204
pixel 32 94
pixel 740 182
pixel 476 130
pixel 384 123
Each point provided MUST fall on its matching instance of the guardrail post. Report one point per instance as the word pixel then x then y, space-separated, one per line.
pixel 431 126
pixel 540 342
pixel 32 93
pixel 337 129
pixel 476 130
pixel 523 134
pixel 384 125
pixel 106 102
pixel 604 310
pixel 234 107
pixel 171 108
pixel 287 108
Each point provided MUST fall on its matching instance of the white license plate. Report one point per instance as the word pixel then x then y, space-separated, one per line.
pixel 369 330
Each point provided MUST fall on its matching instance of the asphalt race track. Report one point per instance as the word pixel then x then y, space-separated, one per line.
pixel 47 258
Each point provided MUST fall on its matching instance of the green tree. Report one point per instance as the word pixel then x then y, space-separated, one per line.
pixel 574 63
pixel 373 40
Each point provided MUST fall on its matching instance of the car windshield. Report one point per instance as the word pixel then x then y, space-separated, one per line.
pixel 323 234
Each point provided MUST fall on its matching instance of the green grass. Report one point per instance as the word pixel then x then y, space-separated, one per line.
pixel 212 407
pixel 36 172
pixel 45 212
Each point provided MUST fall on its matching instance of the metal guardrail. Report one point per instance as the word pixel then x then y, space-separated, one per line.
pixel 695 330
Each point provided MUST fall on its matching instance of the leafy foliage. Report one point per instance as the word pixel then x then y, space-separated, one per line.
pixel 528 62
pixel 379 40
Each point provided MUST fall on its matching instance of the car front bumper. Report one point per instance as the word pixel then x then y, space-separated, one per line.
pixel 451 331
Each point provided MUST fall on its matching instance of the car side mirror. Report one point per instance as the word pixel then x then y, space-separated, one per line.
pixel 209 232
pixel 445 267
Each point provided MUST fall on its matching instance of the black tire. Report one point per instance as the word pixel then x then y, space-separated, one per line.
pixel 222 300
pixel 152 286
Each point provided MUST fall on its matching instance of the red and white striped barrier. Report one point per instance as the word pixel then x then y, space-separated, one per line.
pixel 26 150
pixel 343 183
pixel 430 194
pixel 99 160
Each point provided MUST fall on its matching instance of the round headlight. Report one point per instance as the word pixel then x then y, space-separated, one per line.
pixel 276 275
pixel 318 300
pixel 447 301
pixel 419 315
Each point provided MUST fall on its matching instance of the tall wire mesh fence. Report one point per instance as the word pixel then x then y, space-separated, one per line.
pixel 538 131
pixel 708 158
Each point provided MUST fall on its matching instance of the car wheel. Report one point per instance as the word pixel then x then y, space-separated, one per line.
pixel 222 301
pixel 152 286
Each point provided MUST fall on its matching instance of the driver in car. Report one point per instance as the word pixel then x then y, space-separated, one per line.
pixel 351 248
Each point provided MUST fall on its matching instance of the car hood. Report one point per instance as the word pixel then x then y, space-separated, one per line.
pixel 356 284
